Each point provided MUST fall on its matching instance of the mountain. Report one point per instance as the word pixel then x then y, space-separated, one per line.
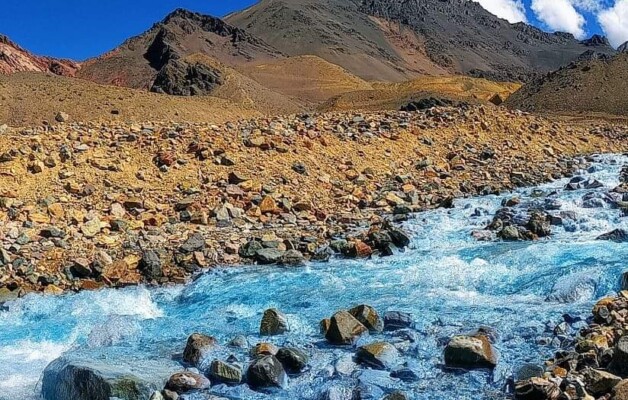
pixel 14 58
pixel 623 48
pixel 596 83
pixel 156 59
pixel 395 40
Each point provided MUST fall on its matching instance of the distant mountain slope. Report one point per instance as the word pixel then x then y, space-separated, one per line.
pixel 159 53
pixel 594 84
pixel 393 39
pixel 14 58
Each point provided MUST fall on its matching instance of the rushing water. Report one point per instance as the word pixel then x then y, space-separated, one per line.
pixel 450 282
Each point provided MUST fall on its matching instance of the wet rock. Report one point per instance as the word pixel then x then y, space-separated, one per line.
pixel 617 235
pixel 292 258
pixel 266 256
pixel 250 249
pixel 266 372
pixel 396 395
pixel 536 389
pixel 619 364
pixel 222 372
pixel 394 320
pixel 368 317
pixel 600 382
pixel 150 265
pixel 95 375
pixel 344 329
pixel 274 322
pixel 197 348
pixel 186 381
pixel 293 360
pixel 470 352
pixel 378 355
pixel 264 349
pixel 539 225
pixel 510 233
pixel 528 371
pixel 239 341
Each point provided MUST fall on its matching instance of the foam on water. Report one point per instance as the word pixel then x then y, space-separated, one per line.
pixel 448 280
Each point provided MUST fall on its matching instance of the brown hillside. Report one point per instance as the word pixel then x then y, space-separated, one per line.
pixel 391 96
pixel 30 98
pixel 593 85
pixel 14 58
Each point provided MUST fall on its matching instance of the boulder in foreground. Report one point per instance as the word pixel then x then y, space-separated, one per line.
pixel 470 352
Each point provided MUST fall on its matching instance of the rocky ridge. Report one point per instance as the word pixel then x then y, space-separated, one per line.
pixel 14 58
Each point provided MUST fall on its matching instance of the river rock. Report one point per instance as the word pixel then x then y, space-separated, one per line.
pixel 186 381
pixel 293 360
pixel 266 372
pixel 264 349
pixel 268 256
pixel 197 347
pixel 617 235
pixel 619 364
pixel 539 225
pixel 510 233
pixel 274 322
pixel 470 352
pixel 396 395
pixel 378 355
pixel 101 375
pixel 395 320
pixel 222 372
pixel 344 329
pixel 150 265
pixel 368 317
pixel 292 258
pixel 536 389
pixel 250 249
pixel 600 382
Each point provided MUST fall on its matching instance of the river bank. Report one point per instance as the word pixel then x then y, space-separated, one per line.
pixel 448 281
pixel 91 205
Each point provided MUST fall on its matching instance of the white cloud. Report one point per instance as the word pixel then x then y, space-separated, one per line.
pixel 588 5
pixel 560 15
pixel 614 22
pixel 510 10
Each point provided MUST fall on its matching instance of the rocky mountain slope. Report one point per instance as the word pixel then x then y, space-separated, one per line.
pixel 14 58
pixel 155 59
pixel 394 40
pixel 594 84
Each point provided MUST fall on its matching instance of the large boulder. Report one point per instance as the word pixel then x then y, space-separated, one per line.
pixel 394 320
pixel 619 364
pixel 378 355
pixel 101 375
pixel 368 317
pixel 536 389
pixel 274 322
pixel 470 352
pixel 197 347
pixel 617 235
pixel 344 329
pixel 266 372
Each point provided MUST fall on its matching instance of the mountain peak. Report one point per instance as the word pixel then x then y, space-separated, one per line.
pixel 14 58
pixel 596 40
pixel 623 48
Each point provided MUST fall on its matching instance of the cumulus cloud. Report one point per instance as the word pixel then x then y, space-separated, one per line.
pixel 614 22
pixel 510 10
pixel 560 15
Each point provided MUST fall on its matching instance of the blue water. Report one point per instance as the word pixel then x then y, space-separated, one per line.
pixel 450 282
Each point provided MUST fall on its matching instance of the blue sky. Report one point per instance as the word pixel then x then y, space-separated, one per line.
pixel 81 29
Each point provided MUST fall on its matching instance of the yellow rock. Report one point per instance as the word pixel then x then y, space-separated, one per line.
pixel 268 205
pixel 56 210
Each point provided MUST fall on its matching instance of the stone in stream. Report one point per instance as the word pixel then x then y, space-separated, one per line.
pixel 100 375
pixel 368 317
pixel 292 258
pixel 344 329
pixel 539 224
pixel 197 348
pixel 510 233
pixel 617 235
pixel 266 372
pixel 186 381
pixel 536 389
pixel 470 352
pixel 222 372
pixel 293 360
pixel 395 320
pixel 239 341
pixel 600 382
pixel 274 322
pixel 396 395
pixel 264 349
pixel 378 355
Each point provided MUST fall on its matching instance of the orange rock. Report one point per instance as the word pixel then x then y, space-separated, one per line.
pixel 362 250
pixel 268 205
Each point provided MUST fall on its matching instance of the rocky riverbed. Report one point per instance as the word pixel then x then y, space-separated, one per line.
pixel 90 205
pixel 465 311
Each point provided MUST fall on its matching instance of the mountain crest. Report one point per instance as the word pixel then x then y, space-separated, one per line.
pixel 14 58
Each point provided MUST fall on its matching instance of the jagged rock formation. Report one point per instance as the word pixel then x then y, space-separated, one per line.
pixel 156 59
pixel 623 48
pixel 595 83
pixel 14 58
pixel 392 40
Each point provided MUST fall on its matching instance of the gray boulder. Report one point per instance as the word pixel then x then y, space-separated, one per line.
pixel 97 375
pixel 274 322
pixel 266 372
